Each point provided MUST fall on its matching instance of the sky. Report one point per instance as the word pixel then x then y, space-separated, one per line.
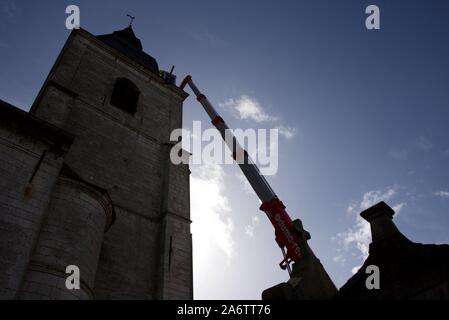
pixel 363 116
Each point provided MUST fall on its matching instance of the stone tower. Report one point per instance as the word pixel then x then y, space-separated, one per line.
pixel 100 192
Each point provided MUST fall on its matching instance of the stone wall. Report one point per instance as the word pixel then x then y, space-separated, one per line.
pixel 29 166
pixel 176 240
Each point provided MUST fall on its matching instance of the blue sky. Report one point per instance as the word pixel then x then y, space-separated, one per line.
pixel 368 111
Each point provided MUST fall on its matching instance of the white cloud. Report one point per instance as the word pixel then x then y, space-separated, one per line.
pixel 339 259
pixel 398 207
pixel 212 226
pixel 287 132
pixel 247 108
pixel 423 144
pixel 355 269
pixel 351 208
pixel 249 229
pixel 442 194
pixel 359 236
pixel 370 198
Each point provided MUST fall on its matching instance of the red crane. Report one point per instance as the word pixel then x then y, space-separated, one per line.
pixel 287 232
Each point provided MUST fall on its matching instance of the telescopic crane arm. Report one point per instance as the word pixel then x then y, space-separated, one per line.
pixel 286 234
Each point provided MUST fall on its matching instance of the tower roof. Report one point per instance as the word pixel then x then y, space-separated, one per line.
pixel 128 44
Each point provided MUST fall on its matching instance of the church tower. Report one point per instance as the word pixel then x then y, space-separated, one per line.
pixel 119 209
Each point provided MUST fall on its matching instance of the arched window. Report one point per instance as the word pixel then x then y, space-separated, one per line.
pixel 125 95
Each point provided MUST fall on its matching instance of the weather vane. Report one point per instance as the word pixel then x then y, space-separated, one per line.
pixel 132 19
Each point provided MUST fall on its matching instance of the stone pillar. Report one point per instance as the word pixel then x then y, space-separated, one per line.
pixel 380 217
pixel 72 234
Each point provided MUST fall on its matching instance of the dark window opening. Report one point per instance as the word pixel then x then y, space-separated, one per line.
pixel 125 95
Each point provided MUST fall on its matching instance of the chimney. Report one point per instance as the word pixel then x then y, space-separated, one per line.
pixel 380 217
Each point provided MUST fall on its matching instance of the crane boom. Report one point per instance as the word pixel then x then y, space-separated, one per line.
pixel 285 236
